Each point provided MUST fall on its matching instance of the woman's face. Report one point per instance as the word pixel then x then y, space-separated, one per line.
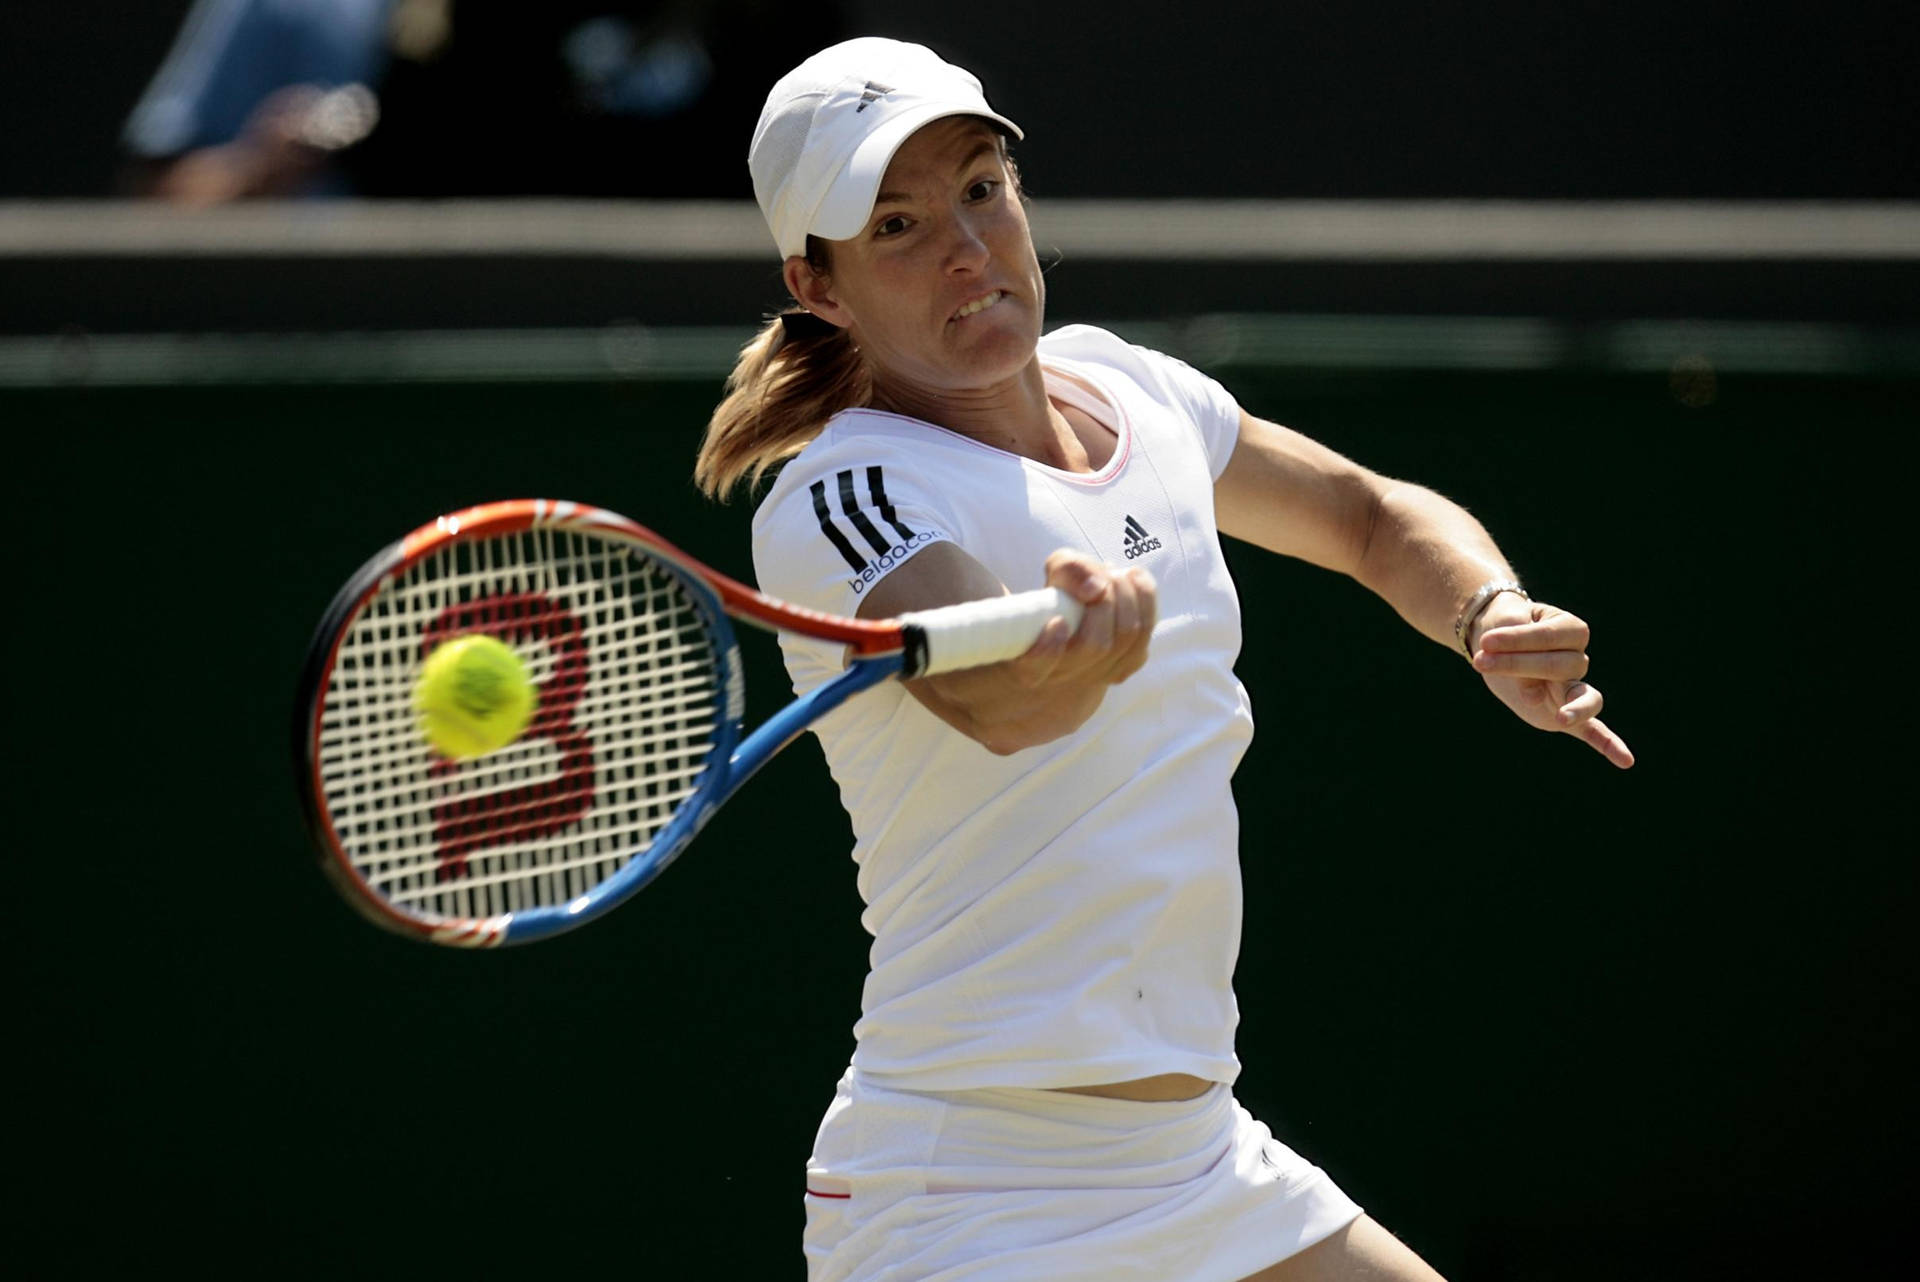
pixel 941 289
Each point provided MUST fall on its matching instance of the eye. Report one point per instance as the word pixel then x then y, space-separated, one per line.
pixel 890 226
pixel 983 189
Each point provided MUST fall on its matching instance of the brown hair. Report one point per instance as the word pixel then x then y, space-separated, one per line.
pixel 792 377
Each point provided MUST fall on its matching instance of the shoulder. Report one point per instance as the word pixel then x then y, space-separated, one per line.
pixel 1153 381
pixel 1159 375
pixel 851 442
pixel 1091 345
pixel 861 499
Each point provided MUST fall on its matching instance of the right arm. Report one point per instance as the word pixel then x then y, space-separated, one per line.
pixel 1053 688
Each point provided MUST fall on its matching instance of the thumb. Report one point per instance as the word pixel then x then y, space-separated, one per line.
pixel 1079 576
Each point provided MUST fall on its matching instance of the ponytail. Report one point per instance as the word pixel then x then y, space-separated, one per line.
pixel 795 374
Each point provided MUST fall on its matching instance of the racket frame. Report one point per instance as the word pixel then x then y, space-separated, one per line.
pixel 877 650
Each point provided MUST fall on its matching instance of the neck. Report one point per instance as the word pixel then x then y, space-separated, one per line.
pixel 1014 415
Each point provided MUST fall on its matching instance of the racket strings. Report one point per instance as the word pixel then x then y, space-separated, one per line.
pixel 401 735
pixel 625 727
pixel 538 758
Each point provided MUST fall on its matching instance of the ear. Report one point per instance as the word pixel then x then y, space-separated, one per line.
pixel 814 292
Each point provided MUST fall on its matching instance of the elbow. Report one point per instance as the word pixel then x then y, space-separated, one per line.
pixel 1393 515
pixel 1004 719
pixel 1030 728
pixel 1003 736
pixel 1004 741
pixel 1377 513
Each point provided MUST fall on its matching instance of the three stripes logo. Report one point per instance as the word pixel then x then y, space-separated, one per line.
pixel 1138 541
pixel 874 92
pixel 889 547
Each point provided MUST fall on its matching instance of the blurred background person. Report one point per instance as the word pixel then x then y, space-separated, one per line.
pixel 255 97
pixel 434 98
pixel 610 98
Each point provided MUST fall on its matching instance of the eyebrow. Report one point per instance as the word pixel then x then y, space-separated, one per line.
pixel 986 144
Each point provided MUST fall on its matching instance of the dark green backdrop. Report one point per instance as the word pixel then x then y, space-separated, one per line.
pixel 1544 1019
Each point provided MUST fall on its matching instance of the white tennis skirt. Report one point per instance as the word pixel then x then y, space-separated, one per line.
pixel 1010 1185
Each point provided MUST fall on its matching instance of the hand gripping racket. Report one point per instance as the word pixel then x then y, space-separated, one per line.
pixel 637 737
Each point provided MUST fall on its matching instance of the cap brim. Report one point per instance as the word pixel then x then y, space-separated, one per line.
pixel 849 202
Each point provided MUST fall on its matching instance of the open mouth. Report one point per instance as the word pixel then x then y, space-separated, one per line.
pixel 980 304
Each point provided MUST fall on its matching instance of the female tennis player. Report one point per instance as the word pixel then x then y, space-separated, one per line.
pixel 1047 847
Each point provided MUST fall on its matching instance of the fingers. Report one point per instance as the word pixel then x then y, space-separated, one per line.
pixel 1552 629
pixel 1121 608
pixel 1115 632
pixel 1136 611
pixel 1605 742
pixel 1581 702
pixel 1551 648
pixel 1547 659
pixel 1080 576
pixel 1541 665
pixel 1091 583
pixel 1579 716
pixel 1037 665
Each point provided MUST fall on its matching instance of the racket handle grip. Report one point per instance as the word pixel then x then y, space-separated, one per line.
pixel 975 633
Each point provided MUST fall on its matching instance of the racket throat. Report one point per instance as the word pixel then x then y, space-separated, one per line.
pixel 788 724
pixel 913 651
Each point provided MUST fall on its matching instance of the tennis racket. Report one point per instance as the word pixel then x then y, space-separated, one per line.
pixel 637 737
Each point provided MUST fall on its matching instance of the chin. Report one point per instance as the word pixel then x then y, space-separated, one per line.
pixel 989 368
pixel 1000 352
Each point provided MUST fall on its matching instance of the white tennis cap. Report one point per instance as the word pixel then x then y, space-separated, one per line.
pixel 832 123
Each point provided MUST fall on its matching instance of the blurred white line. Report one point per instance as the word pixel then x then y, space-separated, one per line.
pixel 1196 230
pixel 1306 344
pixel 1404 230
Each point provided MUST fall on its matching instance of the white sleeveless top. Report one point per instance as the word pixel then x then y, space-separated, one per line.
pixel 1070 913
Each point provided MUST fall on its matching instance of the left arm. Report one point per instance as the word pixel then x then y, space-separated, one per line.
pixel 1423 555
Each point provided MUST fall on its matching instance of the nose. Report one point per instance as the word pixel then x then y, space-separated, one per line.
pixel 966 244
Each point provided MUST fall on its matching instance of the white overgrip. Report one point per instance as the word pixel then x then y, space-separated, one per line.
pixel 975 633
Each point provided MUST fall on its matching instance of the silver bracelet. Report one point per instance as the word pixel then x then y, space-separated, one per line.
pixel 1477 604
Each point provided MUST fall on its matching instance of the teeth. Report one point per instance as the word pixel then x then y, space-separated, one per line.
pixel 980 304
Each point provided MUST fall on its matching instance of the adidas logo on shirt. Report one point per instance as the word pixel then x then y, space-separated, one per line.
pixel 1138 541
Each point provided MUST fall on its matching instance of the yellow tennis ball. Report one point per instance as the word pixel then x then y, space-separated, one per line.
pixel 473 697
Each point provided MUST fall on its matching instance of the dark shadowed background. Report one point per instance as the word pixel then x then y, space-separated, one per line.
pixel 1632 98
pixel 1543 1019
